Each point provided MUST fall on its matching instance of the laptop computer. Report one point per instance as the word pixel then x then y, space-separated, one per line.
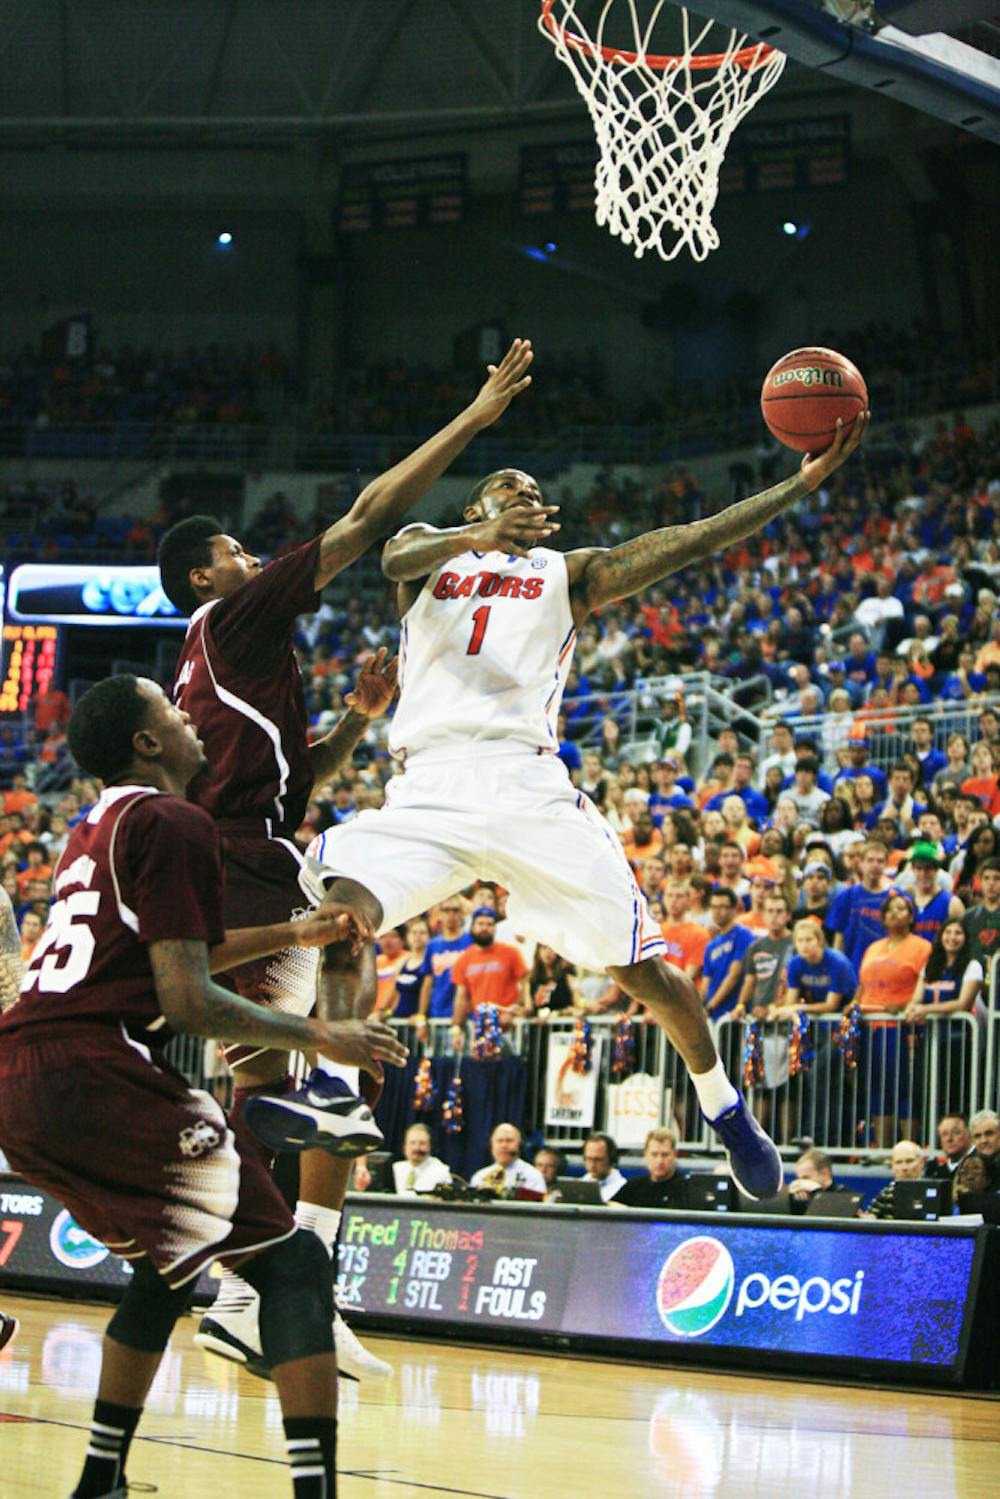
pixel 779 1203
pixel 583 1193
pixel 707 1193
pixel 835 1204
pixel 924 1200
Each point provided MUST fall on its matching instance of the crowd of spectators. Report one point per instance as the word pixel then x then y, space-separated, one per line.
pixel 223 386
pixel 574 389
pixel 131 385
pixel 793 869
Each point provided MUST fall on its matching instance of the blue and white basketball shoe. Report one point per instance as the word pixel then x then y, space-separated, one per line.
pixel 753 1155
pixel 321 1115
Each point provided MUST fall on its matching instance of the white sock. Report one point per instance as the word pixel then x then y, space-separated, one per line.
pixel 350 1075
pixel 235 1294
pixel 715 1092
pixel 323 1221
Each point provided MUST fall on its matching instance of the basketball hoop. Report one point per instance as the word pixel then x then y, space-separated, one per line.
pixel 663 121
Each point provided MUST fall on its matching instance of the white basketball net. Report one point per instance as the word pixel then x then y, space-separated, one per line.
pixel 662 131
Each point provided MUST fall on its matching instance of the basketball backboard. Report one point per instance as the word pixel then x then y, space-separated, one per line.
pixel 938 58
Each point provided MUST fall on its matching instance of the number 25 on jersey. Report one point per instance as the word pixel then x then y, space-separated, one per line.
pixel 64 931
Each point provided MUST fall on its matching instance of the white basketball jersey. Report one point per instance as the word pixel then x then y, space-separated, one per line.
pixel 484 653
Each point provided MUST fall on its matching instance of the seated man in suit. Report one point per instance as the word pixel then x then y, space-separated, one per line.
pixel 419 1171
pixel 509 1174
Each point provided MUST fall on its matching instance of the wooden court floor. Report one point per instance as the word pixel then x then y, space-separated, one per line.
pixel 476 1424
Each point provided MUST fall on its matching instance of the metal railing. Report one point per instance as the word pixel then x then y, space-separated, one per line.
pixel 905 1077
pixel 991 1093
pixel 714 702
pixel 136 441
pixel 889 730
pixel 711 703
pixel 654 1058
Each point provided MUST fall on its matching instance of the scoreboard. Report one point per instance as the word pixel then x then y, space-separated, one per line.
pixel 28 665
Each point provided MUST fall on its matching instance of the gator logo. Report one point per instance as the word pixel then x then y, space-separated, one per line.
pixel 73 1246
pixel 695 1286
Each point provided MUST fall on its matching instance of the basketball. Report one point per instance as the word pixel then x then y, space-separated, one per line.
pixel 805 392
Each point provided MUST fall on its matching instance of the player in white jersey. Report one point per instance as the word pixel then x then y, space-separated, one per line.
pixel 489 620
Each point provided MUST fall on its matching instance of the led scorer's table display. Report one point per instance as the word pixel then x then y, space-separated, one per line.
pixel 461 1267
pixel 873 1294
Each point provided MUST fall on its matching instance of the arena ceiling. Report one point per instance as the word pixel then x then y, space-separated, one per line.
pixel 215 70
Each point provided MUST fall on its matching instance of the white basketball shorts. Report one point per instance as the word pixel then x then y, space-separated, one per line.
pixel 508 815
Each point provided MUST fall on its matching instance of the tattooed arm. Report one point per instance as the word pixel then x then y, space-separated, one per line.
pixel 597 577
pixel 11 965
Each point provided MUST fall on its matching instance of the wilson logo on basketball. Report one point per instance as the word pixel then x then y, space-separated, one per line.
pixel 695 1287
pixel 809 375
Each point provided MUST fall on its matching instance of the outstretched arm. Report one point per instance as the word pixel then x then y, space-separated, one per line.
pixel 11 965
pixel 194 1005
pixel 420 550
pixel 597 577
pixel 330 923
pixel 382 504
pixel 373 691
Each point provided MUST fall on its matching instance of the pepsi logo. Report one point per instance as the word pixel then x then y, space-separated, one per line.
pixel 695 1286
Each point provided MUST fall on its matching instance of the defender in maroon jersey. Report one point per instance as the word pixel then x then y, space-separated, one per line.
pixel 91 1111
pixel 238 679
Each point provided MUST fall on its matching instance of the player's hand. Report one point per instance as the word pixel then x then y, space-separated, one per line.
pixel 375 686
pixel 360 1043
pixel 505 380
pixel 515 531
pixel 334 922
pixel 815 470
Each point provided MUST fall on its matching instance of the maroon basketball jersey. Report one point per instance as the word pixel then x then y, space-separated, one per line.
pixel 141 867
pixel 239 681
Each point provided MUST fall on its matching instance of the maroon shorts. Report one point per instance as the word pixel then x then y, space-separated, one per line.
pixel 144 1162
pixel 262 887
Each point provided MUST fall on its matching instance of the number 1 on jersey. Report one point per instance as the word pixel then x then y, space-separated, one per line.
pixel 480 620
